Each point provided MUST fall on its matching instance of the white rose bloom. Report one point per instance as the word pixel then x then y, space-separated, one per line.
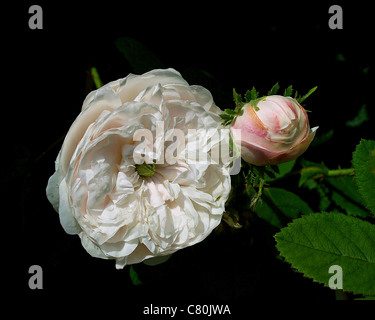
pixel 99 191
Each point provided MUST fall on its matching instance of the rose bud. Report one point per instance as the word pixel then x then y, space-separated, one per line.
pixel 277 130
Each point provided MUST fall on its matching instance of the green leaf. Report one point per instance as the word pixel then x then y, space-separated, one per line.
pixel 301 99
pixel 322 191
pixel 314 243
pixel 134 277
pixel 322 138
pixel 226 122
pixel 140 58
pixel 254 94
pixel 279 206
pixel 274 89
pixel 361 117
pixel 237 99
pixel 225 116
pixel 366 298
pixel 365 70
pixel 274 168
pixel 228 116
pixel 230 112
pixel 96 78
pixel 254 103
pixel 283 169
pixel 364 168
pixel 345 194
pixel 269 172
pixel 248 96
pixel 288 91
pixel 340 57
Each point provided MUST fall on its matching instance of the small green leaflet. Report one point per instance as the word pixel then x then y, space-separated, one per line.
pixel 267 173
pixel 274 89
pixel 248 96
pixel 281 170
pixel 227 119
pixel 303 98
pixel 322 138
pixel 322 191
pixel 288 91
pixel 253 95
pixel 364 168
pixel 254 103
pixel 229 114
pixel 360 118
pixel 279 206
pixel 134 277
pixel 314 243
pixel 237 100
pixel 344 192
pixel 95 76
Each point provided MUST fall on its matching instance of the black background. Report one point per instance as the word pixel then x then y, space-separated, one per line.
pixel 240 45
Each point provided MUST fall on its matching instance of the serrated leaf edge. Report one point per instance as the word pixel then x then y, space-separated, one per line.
pixel 296 266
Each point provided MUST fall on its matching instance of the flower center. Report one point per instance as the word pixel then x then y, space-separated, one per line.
pixel 145 170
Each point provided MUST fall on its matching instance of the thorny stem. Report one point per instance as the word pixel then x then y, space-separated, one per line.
pixel 329 173
pixel 257 197
pixel 341 172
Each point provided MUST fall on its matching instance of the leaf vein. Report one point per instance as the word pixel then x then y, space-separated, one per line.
pixel 328 252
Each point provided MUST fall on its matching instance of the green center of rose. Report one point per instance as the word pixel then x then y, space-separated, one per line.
pixel 145 170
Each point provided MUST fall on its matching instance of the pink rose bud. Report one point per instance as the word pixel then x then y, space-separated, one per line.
pixel 276 131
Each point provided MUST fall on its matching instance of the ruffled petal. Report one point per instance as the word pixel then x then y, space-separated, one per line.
pixel 98 192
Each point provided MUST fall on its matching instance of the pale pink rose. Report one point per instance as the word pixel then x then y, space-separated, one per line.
pixel 100 194
pixel 277 131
